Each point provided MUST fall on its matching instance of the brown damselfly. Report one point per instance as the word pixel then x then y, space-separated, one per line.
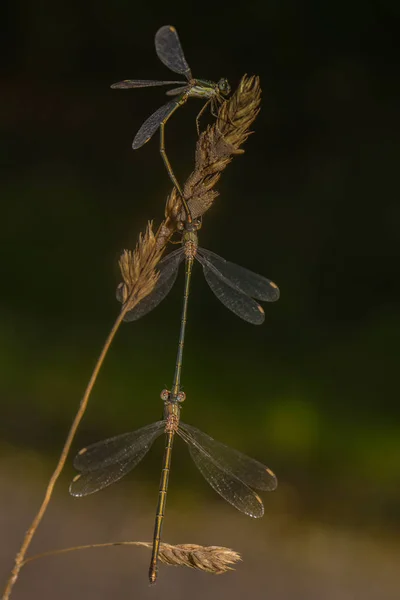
pixel 169 51
pixel 232 474
pixel 236 287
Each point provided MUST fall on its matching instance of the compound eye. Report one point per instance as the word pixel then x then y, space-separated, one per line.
pixel 181 396
pixel 224 86
pixel 165 395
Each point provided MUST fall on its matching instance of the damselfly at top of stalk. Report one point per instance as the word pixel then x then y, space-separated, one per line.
pixel 169 51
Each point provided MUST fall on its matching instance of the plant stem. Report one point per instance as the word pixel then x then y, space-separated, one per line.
pixel 84 547
pixel 20 557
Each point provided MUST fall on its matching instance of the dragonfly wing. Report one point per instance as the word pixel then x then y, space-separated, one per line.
pixel 238 302
pixel 151 124
pixel 224 482
pixel 246 281
pixel 248 470
pixel 177 91
pixel 105 462
pixel 169 51
pixel 139 83
pixel 168 271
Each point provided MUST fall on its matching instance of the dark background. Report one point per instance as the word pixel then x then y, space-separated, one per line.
pixel 313 204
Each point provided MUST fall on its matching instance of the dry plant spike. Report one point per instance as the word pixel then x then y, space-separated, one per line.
pixel 214 150
pixel 138 269
pixel 212 559
pixel 216 147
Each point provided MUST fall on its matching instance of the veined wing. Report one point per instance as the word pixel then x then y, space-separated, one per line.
pixel 223 481
pixel 248 470
pixel 177 91
pixel 151 124
pixel 139 83
pixel 168 271
pixel 169 51
pixel 233 298
pixel 246 281
pixel 105 462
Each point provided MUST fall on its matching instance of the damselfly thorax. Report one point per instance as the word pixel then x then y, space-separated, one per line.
pixel 172 409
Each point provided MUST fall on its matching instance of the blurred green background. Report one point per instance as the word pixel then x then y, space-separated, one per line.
pixel 313 204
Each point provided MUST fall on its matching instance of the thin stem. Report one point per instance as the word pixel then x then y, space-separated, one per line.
pixel 20 557
pixel 85 547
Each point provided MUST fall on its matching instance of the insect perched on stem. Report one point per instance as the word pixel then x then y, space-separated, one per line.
pixel 169 51
pixel 233 475
pixel 235 286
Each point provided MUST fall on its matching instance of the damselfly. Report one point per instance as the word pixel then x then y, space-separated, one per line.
pixel 232 474
pixel 169 51
pixel 236 287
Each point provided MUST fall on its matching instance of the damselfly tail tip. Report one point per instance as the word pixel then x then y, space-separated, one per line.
pixel 152 576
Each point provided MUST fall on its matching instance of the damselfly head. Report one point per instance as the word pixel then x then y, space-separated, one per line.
pixel 224 87
pixel 194 225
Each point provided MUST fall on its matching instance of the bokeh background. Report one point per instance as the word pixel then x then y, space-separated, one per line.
pixel 313 204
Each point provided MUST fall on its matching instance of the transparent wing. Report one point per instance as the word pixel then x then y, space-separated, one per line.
pixel 168 270
pixel 248 470
pixel 177 91
pixel 139 83
pixel 224 482
pixel 238 302
pixel 246 281
pixel 169 51
pixel 105 462
pixel 151 125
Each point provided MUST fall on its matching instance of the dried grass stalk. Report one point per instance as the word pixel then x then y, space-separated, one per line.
pixel 212 559
pixel 214 150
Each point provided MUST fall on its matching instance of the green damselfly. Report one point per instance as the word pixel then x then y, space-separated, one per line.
pixel 169 51
pixel 232 474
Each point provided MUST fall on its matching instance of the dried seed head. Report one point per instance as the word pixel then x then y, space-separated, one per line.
pixel 216 147
pixel 213 559
pixel 138 269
